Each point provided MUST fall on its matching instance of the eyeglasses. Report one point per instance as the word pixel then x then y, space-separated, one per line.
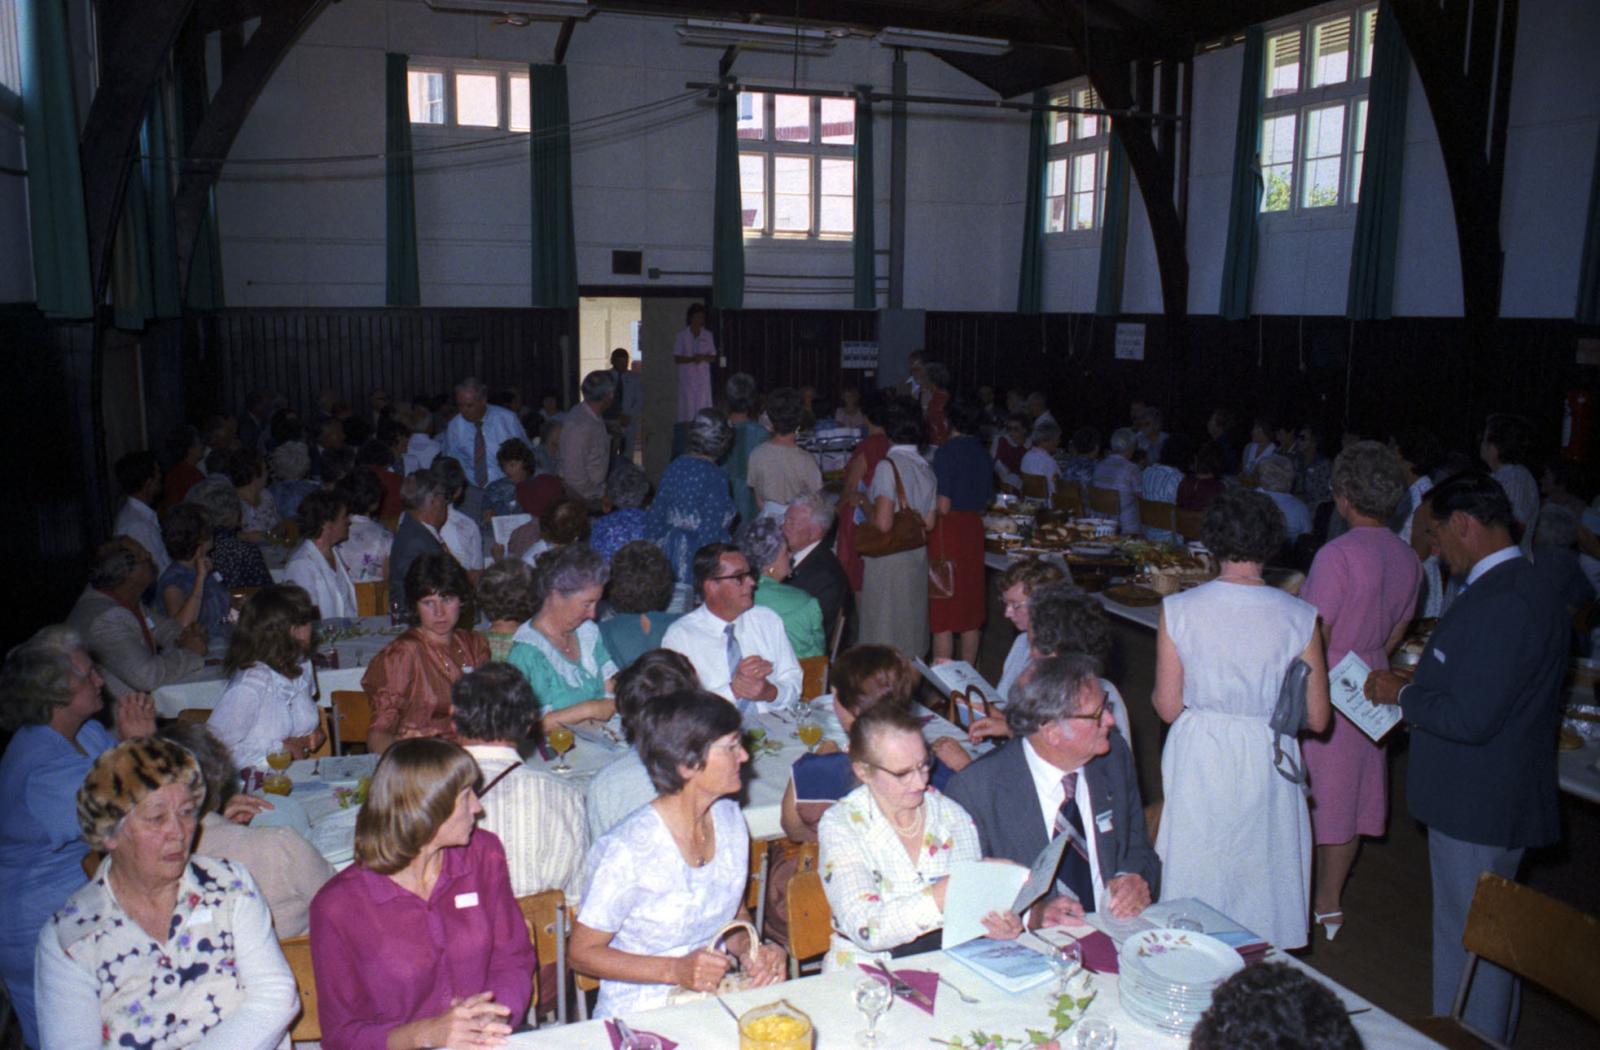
pixel 748 574
pixel 1093 716
pixel 1014 606
pixel 923 769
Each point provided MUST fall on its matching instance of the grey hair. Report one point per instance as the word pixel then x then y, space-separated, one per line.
pixel 761 540
pixel 1558 526
pixel 570 569
pixel 420 487
pixel 37 677
pixel 290 461
pixel 1049 690
pixel 626 485
pixel 740 390
pixel 219 499
pixel 1045 430
pixel 1275 473
pixel 474 385
pixel 113 562
pixel 450 474
pixel 597 386
pixel 1369 475
pixel 709 434
pixel 1123 440
pixel 821 507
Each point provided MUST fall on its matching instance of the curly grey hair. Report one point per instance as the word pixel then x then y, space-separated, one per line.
pixel 1369 475
pixel 740 390
pixel 709 434
pixel 570 569
pixel 1275 473
pixel 597 386
pixel 761 541
pixel 290 461
pixel 1049 690
pixel 820 506
pixel 219 499
pixel 1123 440
pixel 1044 430
pixel 37 677
pixel 626 485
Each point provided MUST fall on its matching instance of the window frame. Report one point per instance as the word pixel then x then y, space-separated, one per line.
pixel 770 148
pixel 11 57
pixel 449 69
pixel 1068 152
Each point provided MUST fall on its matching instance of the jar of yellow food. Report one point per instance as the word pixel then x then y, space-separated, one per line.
pixel 775 1026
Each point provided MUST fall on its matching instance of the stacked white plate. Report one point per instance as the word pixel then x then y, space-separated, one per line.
pixel 1166 977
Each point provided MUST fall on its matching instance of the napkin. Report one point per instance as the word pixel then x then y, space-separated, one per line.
pixel 924 981
pixel 1099 953
pixel 616 1037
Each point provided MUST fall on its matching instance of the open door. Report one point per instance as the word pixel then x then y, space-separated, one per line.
pixel 661 320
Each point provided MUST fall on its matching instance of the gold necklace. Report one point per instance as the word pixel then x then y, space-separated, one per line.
pixel 916 825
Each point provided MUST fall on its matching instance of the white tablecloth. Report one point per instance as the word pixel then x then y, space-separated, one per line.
pixel 827 1000
pixel 1142 616
pixel 1577 771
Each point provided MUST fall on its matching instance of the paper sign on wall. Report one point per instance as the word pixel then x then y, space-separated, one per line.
pixel 853 354
pixel 1130 342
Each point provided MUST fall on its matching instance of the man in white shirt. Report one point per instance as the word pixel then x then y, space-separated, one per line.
pixel 139 477
pixel 474 437
pixel 585 443
pixel 739 649
pixel 461 535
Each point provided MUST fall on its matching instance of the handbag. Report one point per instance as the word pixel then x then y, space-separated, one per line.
pixel 1288 719
pixel 905 533
pixel 941 573
pixel 733 980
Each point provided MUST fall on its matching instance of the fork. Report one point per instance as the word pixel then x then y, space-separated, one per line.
pixel 964 997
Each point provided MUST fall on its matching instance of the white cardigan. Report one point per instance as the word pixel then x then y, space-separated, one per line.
pixel 328 585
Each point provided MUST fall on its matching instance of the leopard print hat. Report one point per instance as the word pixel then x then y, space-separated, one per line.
pixel 121 777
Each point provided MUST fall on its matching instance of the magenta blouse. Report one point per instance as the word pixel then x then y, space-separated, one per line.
pixel 385 957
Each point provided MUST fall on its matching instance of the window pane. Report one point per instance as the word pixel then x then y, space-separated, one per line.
pixel 753 190
pixel 1359 150
pixel 1324 164
pixel 836 209
pixel 1085 189
pixel 10 60
pixel 478 100
pixel 792 118
pixel 1330 44
pixel 1088 124
pixel 791 193
pixel 1055 213
pixel 1277 161
pixel 838 122
pixel 752 114
pixel 520 119
pixel 1369 30
pixel 1283 64
pixel 426 91
pixel 1060 123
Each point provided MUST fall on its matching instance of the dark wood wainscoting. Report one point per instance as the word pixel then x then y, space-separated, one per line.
pixel 793 347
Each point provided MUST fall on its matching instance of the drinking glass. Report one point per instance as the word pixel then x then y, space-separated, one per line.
pixel 280 757
pixel 642 1041
pixel 1091 1033
pixel 1185 921
pixel 872 998
pixel 810 731
pixel 1066 960
pixel 561 742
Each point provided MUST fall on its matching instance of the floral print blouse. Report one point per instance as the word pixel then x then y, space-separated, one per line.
pixel 880 899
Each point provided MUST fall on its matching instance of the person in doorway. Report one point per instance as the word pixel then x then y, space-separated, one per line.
pixel 695 351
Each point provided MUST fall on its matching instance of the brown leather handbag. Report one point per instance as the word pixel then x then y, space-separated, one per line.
pixel 905 533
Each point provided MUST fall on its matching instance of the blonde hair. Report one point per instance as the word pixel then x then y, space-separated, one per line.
pixel 413 792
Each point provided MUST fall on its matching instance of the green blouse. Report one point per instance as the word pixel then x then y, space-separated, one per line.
pixel 802 616
pixel 557 682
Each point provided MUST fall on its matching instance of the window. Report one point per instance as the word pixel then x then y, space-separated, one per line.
pixel 797 165
pixel 1076 175
pixel 1314 119
pixel 426 87
pixel 475 96
pixel 10 55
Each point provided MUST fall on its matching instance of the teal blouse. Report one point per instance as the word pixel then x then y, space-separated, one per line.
pixel 802 616
pixel 557 682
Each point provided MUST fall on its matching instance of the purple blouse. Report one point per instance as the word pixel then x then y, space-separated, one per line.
pixel 385 957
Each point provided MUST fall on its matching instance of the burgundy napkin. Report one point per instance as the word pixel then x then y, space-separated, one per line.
pixel 1099 952
pixel 924 981
pixel 616 1037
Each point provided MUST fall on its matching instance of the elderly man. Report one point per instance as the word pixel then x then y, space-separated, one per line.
pixel 1078 773
pixel 816 570
pixel 739 649
pixel 427 507
pixel 585 444
pixel 473 438
pixel 139 478
pixel 1483 708
pixel 136 649
pixel 1120 473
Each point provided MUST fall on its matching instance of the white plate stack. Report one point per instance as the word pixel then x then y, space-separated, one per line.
pixel 1167 976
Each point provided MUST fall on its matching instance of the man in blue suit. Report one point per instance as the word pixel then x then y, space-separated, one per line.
pixel 1484 710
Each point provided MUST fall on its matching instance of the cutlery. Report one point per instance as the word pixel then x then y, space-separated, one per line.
pixel 723 1003
pixel 899 986
pixel 962 995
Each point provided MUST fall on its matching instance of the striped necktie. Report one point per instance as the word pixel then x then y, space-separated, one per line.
pixel 1074 873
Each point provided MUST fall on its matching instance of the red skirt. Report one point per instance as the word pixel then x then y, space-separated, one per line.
pixel 959 537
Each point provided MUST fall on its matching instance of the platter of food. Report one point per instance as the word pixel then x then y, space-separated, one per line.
pixel 1134 595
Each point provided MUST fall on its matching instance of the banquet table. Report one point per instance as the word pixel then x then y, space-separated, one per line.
pixel 1142 616
pixel 315 807
pixel 1579 771
pixel 826 999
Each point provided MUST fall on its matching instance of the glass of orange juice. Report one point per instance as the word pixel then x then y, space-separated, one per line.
pixel 561 741
pixel 280 757
pixel 810 731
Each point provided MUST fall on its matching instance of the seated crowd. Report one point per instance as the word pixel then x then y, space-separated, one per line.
pixel 688 616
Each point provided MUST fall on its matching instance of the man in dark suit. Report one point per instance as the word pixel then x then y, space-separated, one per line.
pixel 1484 710
pixel 1067 771
pixel 426 504
pixel 816 569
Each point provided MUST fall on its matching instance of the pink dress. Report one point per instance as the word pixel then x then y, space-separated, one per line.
pixel 1363 583
pixel 694 378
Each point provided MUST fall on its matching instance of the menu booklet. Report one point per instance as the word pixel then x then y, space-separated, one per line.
pixel 978 887
pixel 972 691
pixel 1347 689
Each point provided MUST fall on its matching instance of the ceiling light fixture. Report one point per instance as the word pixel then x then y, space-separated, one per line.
pixel 518 8
pixel 928 40
pixel 757 36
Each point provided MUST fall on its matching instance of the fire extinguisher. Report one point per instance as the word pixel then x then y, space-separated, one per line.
pixel 1577 425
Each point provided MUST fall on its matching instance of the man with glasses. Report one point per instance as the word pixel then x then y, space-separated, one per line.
pixel 739 649
pixel 1082 782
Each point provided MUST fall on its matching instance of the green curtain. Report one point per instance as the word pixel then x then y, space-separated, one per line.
pixel 727 227
pixel 1030 284
pixel 144 262
pixel 1113 232
pixel 1589 276
pixel 131 298
pixel 57 227
pixel 865 242
pixel 1239 255
pixel 1372 254
pixel 402 286
pixel 204 289
pixel 555 251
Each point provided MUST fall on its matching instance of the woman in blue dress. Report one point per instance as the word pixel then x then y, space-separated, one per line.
pixel 49 695
pixel 693 505
pixel 190 592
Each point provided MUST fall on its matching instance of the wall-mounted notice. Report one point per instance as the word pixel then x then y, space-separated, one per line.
pixel 1130 342
pixel 860 355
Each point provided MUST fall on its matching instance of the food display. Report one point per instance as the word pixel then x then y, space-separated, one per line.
pixel 1133 594
pixel 1140 569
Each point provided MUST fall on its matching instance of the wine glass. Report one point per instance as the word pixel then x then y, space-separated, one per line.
pixel 561 742
pixel 810 731
pixel 1066 959
pixel 1185 921
pixel 1091 1033
pixel 872 998
pixel 280 757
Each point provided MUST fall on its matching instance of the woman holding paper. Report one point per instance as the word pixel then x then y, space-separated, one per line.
pixel 1364 585
pixel 887 848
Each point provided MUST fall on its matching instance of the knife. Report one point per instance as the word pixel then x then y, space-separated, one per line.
pixel 899 986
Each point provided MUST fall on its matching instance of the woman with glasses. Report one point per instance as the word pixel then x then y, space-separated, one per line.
pixel 887 847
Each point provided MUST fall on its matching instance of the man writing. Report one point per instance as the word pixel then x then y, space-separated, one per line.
pixel 738 649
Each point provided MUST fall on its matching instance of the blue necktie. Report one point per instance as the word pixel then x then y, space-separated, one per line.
pixel 1075 873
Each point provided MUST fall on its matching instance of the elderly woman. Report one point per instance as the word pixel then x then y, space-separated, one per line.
pixel 1040 459
pixel 287 869
pixel 324 521
pixel 1275 476
pixel 501 496
pixel 894 587
pixel 627 491
pixel 639 593
pixel 748 433
pixel 768 553
pixel 620 787
pixel 1364 585
pixel 1222 650
pixel 189 590
pixel 559 650
pixel 420 941
pixel 365 551
pixel 409 680
pixel 693 505
pixel 159 948
pixel 239 563
pixel 290 463
pixel 1119 473
pixel 268 702
pixel 507 600
pixel 1017 584
pixel 965 487
pixel 1007 450
pixel 859 469
pixel 1259 447
pixel 887 848
pixel 51 694
pixel 664 882
pixel 258 509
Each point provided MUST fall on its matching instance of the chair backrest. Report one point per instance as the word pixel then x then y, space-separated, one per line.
pixel 815 680
pixel 195 715
pixel 1189 523
pixel 1154 514
pixel 1105 501
pixel 1035 486
pixel 1537 937
pixel 372 598
pixel 307 1028
pixel 810 918
pixel 546 913
pixel 352 713
pixel 291 531
pixel 326 725
pixel 833 643
pixel 1068 497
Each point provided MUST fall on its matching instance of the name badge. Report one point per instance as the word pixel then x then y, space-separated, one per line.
pixel 466 900
pixel 1102 821
pixel 466 668
pixel 200 916
pixel 1438 654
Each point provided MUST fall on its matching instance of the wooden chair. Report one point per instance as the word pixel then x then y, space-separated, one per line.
pixel 1188 522
pixel 546 916
pixel 352 718
pixel 290 530
pixel 815 682
pixel 1552 944
pixel 1035 486
pixel 582 982
pixel 307 1028
pixel 372 598
pixel 810 920
pixel 1068 497
pixel 1105 502
pixel 196 715
pixel 755 891
pixel 833 643
pixel 325 724
pixel 1157 515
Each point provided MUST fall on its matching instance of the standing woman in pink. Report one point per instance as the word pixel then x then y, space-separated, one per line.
pixel 694 351
pixel 1364 585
